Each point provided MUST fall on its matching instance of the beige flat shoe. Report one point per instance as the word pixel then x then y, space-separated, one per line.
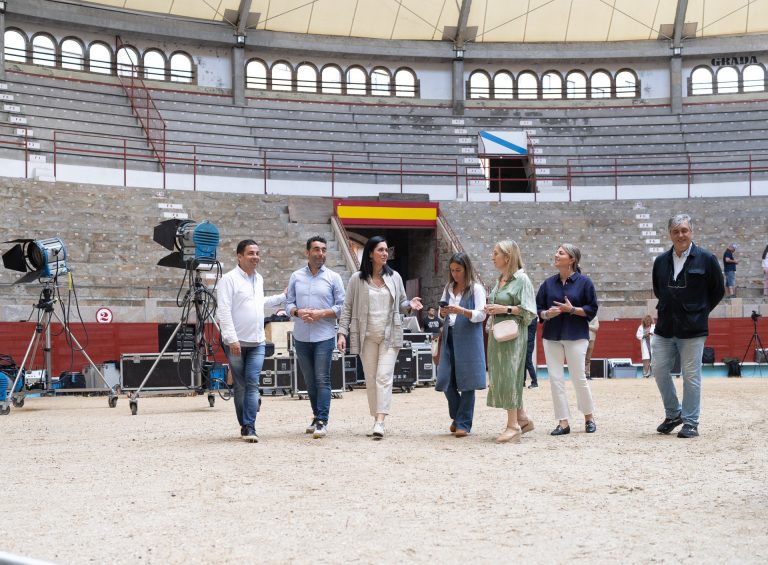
pixel 527 427
pixel 510 435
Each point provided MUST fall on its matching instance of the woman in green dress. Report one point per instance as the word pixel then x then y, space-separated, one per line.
pixel 511 298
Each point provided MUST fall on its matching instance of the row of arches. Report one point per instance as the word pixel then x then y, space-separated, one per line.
pixel 527 85
pixel 727 80
pixel 331 79
pixel 97 57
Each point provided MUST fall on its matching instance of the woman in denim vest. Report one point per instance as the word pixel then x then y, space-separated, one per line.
pixel 461 370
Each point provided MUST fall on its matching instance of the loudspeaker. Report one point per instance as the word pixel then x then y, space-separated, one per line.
pixel 598 368
pixel 708 356
pixel 173 371
pixel 183 341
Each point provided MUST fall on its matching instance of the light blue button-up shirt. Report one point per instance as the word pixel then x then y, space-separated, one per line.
pixel 319 292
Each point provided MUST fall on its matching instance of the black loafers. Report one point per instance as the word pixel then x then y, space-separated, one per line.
pixel 688 431
pixel 560 431
pixel 669 424
pixel 590 427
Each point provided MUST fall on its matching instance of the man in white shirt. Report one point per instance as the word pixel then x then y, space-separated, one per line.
pixel 241 305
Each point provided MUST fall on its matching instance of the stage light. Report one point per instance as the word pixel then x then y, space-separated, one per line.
pixel 39 258
pixel 193 244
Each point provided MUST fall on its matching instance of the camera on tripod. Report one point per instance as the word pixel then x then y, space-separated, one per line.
pixel 755 316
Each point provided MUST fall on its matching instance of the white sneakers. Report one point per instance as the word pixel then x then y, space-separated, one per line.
pixel 378 430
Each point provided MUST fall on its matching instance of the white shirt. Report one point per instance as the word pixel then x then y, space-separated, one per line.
pixel 241 305
pixel 678 262
pixel 478 314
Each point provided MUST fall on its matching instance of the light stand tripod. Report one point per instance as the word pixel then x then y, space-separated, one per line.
pixel 204 302
pixel 755 339
pixel 42 334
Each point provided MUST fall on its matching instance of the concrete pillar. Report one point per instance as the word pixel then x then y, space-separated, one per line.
pixel 676 84
pixel 2 47
pixel 458 86
pixel 238 76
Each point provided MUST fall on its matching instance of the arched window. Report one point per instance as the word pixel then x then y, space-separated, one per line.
pixel 381 82
pixel 154 65
pixel 15 46
pixel 356 81
pixel 503 85
pixel 551 86
pixel 405 83
pixel 127 62
pixel 753 78
pixel 727 80
pixel 600 85
pixel 100 58
pixel 181 68
pixel 282 76
pixel 72 55
pixel 576 85
pixel 527 86
pixel 256 74
pixel 701 81
pixel 331 79
pixel 306 78
pixel 43 51
pixel 626 84
pixel 479 85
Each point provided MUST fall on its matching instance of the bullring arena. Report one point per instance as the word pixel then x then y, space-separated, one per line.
pixel 444 126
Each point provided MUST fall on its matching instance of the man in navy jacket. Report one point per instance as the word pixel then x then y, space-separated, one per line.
pixel 688 282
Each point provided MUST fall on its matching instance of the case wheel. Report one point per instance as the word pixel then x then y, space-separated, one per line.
pixel 134 407
pixel 112 401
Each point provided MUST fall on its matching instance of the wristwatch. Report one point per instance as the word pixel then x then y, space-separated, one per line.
pixel 509 309
pixel 573 310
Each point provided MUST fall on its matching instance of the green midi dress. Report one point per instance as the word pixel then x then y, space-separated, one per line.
pixel 506 360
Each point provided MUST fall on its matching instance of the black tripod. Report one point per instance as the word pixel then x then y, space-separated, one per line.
pixel 755 339
pixel 202 299
pixel 42 334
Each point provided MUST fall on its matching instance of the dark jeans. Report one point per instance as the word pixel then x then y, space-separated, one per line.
pixel 315 362
pixel 246 369
pixel 530 368
pixel 461 404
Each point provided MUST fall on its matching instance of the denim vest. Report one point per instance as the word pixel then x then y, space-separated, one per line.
pixel 468 352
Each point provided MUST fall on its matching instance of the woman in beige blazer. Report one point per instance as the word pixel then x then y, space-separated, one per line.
pixel 372 320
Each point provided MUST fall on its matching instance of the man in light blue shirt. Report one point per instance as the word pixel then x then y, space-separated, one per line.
pixel 314 299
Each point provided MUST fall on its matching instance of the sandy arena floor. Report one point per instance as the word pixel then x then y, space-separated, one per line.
pixel 83 483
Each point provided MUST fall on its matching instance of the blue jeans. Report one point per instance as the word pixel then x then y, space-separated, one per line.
pixel 246 368
pixel 315 362
pixel 662 360
pixel 530 367
pixel 730 279
pixel 461 404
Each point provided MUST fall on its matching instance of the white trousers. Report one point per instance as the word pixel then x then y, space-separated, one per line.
pixel 379 367
pixel 574 352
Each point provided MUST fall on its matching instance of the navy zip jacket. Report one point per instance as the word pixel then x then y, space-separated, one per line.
pixel 685 303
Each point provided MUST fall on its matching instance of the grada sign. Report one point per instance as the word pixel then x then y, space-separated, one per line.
pixel 735 60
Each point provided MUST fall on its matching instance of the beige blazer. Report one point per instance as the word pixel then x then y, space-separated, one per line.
pixel 354 315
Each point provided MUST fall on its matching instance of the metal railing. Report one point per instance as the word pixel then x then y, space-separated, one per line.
pixel 609 173
pixel 143 106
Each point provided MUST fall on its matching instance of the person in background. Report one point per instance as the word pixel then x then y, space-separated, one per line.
pixel 511 298
pixel 765 271
pixel 644 334
pixel 461 370
pixel 530 366
pixel 688 282
pixel 594 325
pixel 432 324
pixel 729 268
pixel 372 320
pixel 314 299
pixel 241 303
pixel 566 303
